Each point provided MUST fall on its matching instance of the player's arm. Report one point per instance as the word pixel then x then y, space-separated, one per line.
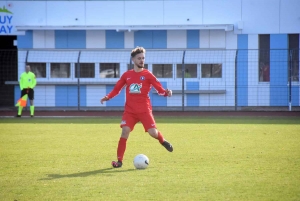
pixel 21 82
pixel 159 88
pixel 116 90
pixel 33 81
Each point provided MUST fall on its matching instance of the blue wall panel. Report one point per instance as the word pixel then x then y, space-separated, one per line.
pixel 192 99
pixel 68 96
pixel 72 96
pixel 65 39
pixel 278 70
pixel 83 96
pixel 17 94
pixel 61 39
pixel 61 96
pixel 143 39
pixel 118 100
pixel 114 39
pixel 77 39
pixel 159 39
pixel 25 41
pixel 192 38
pixel 158 100
pixel 242 70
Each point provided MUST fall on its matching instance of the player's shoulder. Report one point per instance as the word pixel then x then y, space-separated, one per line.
pixel 127 72
pixel 148 73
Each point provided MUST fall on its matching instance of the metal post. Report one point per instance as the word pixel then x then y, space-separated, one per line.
pixel 235 81
pixel 78 79
pixel 130 64
pixel 290 80
pixel 183 74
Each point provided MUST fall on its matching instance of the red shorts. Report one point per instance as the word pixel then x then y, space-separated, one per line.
pixel 130 119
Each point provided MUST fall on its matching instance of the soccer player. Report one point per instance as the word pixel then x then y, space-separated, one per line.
pixel 138 82
pixel 27 83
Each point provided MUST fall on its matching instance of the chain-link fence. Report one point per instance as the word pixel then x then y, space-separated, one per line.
pixel 200 79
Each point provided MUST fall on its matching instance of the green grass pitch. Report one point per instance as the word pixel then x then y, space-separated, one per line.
pixel 214 158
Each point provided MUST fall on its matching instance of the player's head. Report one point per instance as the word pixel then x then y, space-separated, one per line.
pixel 27 68
pixel 138 56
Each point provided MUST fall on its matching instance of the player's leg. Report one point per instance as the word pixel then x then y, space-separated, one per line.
pixel 157 135
pixel 127 125
pixel 20 108
pixel 148 122
pixel 31 97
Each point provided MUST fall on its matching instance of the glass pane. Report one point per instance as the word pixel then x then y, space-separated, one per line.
pixel 294 49
pixel 39 69
pixel 264 71
pixel 211 70
pixel 295 65
pixel 109 70
pixel 60 70
pixel 216 70
pixel 190 70
pixel 163 70
pixel 131 67
pixel 87 70
pixel 264 58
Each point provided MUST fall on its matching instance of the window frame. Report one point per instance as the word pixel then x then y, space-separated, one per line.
pixel 61 78
pixel 75 71
pixel 264 53
pixel 211 65
pixel 119 71
pixel 172 72
pixel 39 78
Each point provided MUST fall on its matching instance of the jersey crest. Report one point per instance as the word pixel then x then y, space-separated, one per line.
pixel 135 88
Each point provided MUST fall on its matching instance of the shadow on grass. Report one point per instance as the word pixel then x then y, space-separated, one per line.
pixel 85 174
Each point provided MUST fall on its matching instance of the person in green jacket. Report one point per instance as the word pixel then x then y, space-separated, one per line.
pixel 27 83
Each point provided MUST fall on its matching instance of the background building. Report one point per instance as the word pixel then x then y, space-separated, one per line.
pixel 234 53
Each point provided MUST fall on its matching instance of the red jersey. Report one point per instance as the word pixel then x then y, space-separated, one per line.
pixel 138 86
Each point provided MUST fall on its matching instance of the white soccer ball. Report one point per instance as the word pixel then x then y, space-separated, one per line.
pixel 141 161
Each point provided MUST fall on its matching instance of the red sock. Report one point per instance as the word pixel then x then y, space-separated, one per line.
pixel 121 148
pixel 160 138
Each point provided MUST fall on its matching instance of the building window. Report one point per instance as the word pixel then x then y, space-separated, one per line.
pixel 190 70
pixel 162 70
pixel 294 56
pixel 264 58
pixel 87 70
pixel 39 69
pixel 60 70
pixel 211 70
pixel 109 70
pixel 129 67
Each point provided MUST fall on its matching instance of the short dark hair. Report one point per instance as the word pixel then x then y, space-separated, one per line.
pixel 137 50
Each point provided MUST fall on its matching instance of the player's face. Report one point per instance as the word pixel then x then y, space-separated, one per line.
pixel 139 60
pixel 27 69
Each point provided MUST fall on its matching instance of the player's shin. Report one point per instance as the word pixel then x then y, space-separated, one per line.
pixel 20 110
pixel 121 148
pixel 31 110
pixel 160 137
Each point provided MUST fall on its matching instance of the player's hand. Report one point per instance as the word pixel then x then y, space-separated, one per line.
pixel 105 98
pixel 169 92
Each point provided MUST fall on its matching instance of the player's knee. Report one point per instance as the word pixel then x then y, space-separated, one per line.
pixel 152 132
pixel 125 132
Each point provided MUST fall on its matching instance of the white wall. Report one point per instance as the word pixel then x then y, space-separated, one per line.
pixel 257 16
